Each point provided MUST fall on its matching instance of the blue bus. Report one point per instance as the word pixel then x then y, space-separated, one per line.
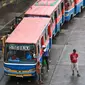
pixel 23 47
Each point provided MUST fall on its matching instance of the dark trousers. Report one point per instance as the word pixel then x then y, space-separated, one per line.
pixel 47 62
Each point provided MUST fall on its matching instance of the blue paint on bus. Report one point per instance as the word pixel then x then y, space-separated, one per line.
pixel 78 7
pixel 69 13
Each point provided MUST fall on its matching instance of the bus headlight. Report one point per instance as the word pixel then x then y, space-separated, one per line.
pixel 5 68
pixel 8 69
pixel 31 70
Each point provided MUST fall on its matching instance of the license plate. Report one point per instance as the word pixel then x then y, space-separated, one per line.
pixel 27 75
pixel 19 76
pixel 23 75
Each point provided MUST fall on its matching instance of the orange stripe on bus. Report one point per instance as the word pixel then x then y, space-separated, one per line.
pixel 58 18
pixel 77 1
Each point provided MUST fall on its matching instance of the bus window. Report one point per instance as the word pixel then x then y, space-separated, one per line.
pixel 67 4
pixel 46 34
pixel 38 49
pixel 66 1
pixel 59 10
pixel 19 53
pixel 62 7
pixel 39 46
pixel 55 14
pixel 42 41
pixel 49 31
pixel 62 4
pixel 72 1
pixel 53 17
pixel 1 45
pixel 28 55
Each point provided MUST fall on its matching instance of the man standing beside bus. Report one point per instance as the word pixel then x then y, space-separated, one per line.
pixel 74 61
pixel 45 56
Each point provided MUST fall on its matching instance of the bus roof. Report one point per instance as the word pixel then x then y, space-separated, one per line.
pixel 46 2
pixel 28 31
pixel 43 9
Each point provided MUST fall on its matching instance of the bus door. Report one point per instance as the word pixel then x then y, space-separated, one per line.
pixel 39 50
pixel 55 21
pixel 53 24
pixel 58 15
pixel 1 44
pixel 72 7
pixel 50 36
pixel 63 11
pixel 42 41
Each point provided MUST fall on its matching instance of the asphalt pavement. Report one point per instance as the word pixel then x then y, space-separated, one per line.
pixel 73 37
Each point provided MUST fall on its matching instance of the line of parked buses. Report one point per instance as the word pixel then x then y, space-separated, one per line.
pixel 41 22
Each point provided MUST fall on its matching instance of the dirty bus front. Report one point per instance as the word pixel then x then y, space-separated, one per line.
pixel 19 60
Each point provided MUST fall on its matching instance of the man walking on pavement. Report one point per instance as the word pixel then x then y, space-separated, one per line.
pixel 45 56
pixel 74 61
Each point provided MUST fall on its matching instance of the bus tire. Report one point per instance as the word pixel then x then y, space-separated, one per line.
pixel 71 16
pixel 53 36
pixel 80 9
pixel 60 26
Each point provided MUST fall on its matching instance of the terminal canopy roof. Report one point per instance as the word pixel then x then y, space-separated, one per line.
pixel 28 31
pixel 43 7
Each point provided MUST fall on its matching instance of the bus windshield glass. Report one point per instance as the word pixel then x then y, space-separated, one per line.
pixel 19 53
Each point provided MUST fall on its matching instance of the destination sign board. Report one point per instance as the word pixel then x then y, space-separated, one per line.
pixel 20 47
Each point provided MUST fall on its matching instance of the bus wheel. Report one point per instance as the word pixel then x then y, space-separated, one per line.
pixel 54 36
pixel 81 9
pixel 71 17
pixel 60 26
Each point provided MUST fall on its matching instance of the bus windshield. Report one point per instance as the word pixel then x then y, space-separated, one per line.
pixel 17 53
